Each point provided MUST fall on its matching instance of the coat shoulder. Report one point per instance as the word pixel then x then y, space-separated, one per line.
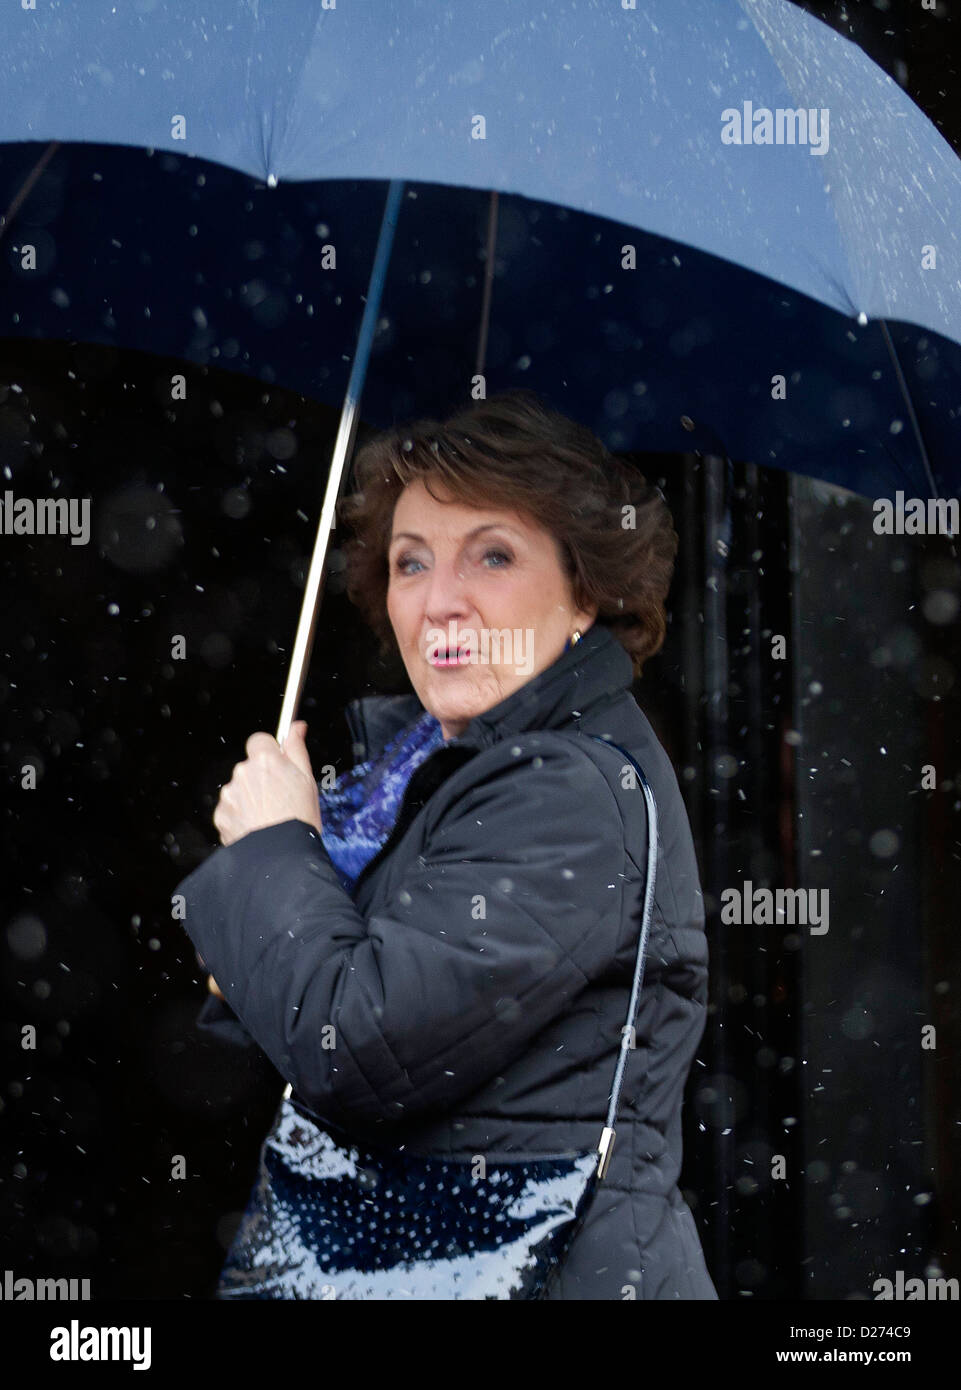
pixel 558 767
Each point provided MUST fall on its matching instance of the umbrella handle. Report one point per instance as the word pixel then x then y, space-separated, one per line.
pixel 303 642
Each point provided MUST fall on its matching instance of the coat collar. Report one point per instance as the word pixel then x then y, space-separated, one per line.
pixel 595 670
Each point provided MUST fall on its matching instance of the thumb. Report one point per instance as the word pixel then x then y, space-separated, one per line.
pixel 296 749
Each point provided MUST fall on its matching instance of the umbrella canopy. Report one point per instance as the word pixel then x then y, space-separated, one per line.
pixel 651 116
pixel 701 147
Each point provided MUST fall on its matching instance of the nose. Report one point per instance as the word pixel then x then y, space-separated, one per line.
pixel 445 595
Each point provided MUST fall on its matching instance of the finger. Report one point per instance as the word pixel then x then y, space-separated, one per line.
pixel 299 727
pixel 221 819
pixel 296 749
pixel 261 743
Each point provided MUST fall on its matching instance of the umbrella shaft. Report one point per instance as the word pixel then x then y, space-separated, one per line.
pixel 303 642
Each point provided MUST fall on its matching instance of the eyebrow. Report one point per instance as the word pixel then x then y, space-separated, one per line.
pixel 487 526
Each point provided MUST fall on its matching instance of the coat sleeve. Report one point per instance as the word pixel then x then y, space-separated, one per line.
pixel 513 906
pixel 218 1019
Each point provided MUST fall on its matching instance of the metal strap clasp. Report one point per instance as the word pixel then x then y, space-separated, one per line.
pixel 605 1148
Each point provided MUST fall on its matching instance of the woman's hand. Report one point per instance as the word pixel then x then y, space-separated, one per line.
pixel 270 786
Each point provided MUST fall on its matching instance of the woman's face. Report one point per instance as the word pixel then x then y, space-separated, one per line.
pixel 499 594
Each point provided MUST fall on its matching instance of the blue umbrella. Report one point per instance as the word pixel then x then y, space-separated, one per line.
pixel 724 204
pixel 631 115
pixel 639 115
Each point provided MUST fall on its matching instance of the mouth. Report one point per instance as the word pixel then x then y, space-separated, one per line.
pixel 452 656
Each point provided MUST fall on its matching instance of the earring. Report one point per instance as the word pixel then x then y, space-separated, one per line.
pixel 576 637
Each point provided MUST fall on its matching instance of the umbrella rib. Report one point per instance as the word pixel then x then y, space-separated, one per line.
pixel 23 192
pixel 767 35
pixel 488 283
pixel 902 383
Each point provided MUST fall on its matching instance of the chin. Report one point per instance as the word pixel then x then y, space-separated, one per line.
pixel 454 716
pixel 459 707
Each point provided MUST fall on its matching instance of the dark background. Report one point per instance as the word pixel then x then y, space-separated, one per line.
pixel 803 772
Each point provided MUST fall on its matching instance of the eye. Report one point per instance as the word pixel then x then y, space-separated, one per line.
pixel 402 561
pixel 503 555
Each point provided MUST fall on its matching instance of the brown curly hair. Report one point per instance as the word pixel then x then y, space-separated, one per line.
pixel 514 452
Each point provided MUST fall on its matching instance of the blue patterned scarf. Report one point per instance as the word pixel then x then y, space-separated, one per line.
pixel 359 813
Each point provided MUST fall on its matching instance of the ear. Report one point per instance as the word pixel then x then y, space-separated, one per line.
pixel 586 617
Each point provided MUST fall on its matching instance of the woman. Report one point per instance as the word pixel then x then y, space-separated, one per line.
pixel 462 912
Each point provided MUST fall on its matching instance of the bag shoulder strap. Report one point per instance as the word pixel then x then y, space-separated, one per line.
pixel 606 1142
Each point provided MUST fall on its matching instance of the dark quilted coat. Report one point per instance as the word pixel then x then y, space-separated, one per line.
pixel 478 979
